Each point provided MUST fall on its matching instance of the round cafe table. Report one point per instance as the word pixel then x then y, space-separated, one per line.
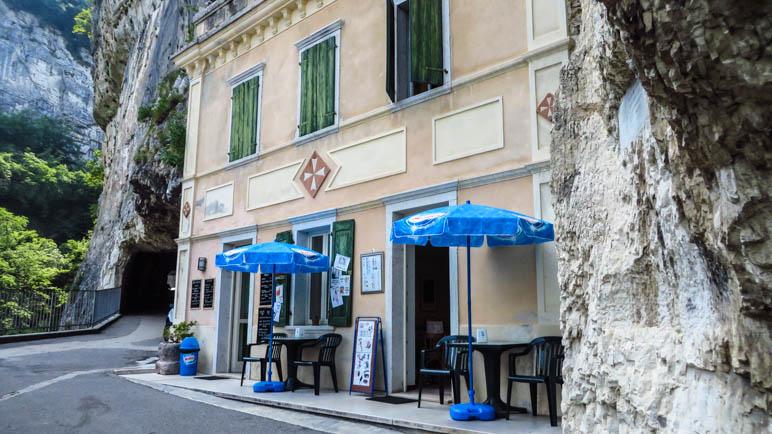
pixel 491 352
pixel 293 344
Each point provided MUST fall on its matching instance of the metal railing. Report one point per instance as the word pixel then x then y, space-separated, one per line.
pixel 55 310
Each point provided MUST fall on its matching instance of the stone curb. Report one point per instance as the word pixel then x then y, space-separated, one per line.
pixel 51 335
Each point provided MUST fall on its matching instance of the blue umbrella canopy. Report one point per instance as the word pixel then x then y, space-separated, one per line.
pixel 274 257
pixel 467 225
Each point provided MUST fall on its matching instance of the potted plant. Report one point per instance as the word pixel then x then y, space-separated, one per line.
pixel 169 350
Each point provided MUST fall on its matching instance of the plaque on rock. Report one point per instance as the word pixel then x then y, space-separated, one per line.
pixel 195 295
pixel 265 289
pixel 263 322
pixel 208 293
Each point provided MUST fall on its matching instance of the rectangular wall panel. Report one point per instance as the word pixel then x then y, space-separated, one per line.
pixel 369 159
pixel 218 202
pixel 468 131
pixel 272 187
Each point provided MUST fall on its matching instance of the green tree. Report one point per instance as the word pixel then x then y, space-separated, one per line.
pixel 56 200
pixel 83 23
pixel 48 138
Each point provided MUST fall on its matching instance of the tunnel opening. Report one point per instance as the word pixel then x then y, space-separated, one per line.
pixel 147 283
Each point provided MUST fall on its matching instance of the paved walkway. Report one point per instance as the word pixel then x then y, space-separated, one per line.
pixel 430 417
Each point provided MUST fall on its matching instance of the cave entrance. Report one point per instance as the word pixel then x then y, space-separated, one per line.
pixel 146 287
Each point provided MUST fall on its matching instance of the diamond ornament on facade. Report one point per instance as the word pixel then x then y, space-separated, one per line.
pixel 314 174
pixel 545 106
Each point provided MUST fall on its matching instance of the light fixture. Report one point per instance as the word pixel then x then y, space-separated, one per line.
pixel 202 264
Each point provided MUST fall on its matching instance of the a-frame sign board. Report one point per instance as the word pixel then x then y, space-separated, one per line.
pixel 368 333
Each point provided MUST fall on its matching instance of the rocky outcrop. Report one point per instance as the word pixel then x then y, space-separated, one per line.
pixel 661 179
pixel 139 206
pixel 38 73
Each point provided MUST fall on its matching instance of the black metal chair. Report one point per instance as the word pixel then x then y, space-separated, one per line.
pixel 454 364
pixel 275 357
pixel 547 364
pixel 328 344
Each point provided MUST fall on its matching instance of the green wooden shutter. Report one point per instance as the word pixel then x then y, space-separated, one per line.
pixel 426 42
pixel 307 89
pixel 253 114
pixel 236 113
pixel 390 50
pixel 286 280
pixel 325 86
pixel 343 244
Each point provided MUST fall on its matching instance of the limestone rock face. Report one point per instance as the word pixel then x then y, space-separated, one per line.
pixel 37 72
pixel 661 179
pixel 139 206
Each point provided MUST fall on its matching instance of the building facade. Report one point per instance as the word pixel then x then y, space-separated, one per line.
pixel 320 122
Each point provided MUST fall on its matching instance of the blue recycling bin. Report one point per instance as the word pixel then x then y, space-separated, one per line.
pixel 189 356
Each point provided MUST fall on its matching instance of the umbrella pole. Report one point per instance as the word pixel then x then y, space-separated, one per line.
pixel 469 317
pixel 270 344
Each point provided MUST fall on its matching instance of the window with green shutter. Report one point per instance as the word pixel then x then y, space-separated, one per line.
pixel 245 107
pixel 342 244
pixel 415 61
pixel 317 86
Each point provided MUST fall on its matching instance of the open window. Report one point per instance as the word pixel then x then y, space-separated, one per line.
pixel 416 58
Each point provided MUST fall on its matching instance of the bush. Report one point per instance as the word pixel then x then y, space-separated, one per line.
pixel 179 331
pixel 144 113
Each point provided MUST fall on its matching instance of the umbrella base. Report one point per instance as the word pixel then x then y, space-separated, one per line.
pixel 472 411
pixel 268 386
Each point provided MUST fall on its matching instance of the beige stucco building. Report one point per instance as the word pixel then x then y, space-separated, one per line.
pixel 478 131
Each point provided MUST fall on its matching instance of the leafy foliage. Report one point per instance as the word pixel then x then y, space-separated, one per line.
pixel 48 138
pixel 55 198
pixel 178 332
pixel 169 124
pixel 172 152
pixel 83 23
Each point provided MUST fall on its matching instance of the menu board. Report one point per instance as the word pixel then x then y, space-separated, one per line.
pixel 265 289
pixel 263 322
pixel 365 355
pixel 372 272
pixel 195 295
pixel 208 293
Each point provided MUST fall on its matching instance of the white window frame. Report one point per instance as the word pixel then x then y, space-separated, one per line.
pixel 446 63
pixel 331 30
pixel 326 241
pixel 252 72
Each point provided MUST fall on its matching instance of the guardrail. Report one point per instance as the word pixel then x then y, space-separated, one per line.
pixel 24 312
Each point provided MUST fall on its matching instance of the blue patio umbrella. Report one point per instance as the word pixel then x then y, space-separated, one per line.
pixel 467 225
pixel 272 258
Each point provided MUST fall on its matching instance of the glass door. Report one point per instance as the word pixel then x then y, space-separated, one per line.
pixel 240 331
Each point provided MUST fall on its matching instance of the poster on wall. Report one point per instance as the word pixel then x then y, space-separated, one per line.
pixel 367 334
pixel 195 295
pixel 209 294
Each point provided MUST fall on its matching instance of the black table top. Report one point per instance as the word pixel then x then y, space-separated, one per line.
pixel 295 339
pixel 503 345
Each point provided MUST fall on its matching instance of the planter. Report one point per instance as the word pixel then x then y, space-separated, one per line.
pixel 168 359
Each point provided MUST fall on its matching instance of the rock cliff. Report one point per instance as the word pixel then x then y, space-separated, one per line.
pixel 37 72
pixel 139 206
pixel 661 179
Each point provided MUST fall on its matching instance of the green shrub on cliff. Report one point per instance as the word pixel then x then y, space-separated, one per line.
pixel 169 124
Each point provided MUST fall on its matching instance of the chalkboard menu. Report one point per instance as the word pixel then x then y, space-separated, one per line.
pixel 208 293
pixel 265 289
pixel 263 322
pixel 195 295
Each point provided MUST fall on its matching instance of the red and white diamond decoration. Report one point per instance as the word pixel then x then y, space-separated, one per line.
pixel 545 106
pixel 314 174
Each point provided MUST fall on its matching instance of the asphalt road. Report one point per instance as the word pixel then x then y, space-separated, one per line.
pixel 67 385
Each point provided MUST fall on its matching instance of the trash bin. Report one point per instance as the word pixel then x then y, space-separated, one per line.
pixel 189 356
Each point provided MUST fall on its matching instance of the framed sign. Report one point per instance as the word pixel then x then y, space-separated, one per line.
pixel 367 336
pixel 263 322
pixel 195 295
pixel 372 272
pixel 265 289
pixel 209 294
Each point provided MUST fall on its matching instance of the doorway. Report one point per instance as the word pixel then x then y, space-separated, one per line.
pixel 240 320
pixel 431 307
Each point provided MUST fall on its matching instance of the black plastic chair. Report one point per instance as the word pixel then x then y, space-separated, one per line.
pixel 329 343
pixel 455 363
pixel 547 364
pixel 275 357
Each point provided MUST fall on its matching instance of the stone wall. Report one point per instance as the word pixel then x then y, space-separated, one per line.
pixel 38 73
pixel 139 206
pixel 661 162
